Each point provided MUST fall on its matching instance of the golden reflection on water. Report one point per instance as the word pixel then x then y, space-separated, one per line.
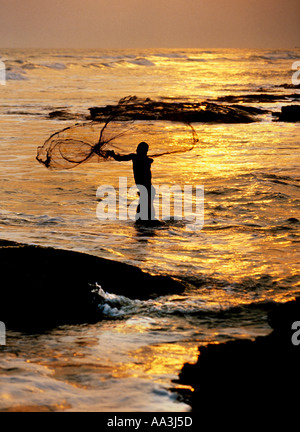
pixel 158 361
pixel 245 243
pixel 239 238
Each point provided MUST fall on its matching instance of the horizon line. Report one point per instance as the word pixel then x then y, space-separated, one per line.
pixel 149 48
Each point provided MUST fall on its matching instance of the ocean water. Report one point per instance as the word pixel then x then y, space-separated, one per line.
pixel 245 258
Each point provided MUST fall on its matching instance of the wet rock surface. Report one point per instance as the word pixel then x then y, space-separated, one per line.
pixel 289 113
pixel 224 109
pixel 248 374
pixel 44 287
pixel 206 112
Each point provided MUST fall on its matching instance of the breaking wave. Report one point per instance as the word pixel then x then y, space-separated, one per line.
pixel 199 301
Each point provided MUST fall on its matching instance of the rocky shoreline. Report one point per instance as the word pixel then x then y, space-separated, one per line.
pixel 248 375
pixel 205 111
pixel 225 109
pixel 45 287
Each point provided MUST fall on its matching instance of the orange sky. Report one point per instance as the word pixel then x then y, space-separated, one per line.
pixel 149 23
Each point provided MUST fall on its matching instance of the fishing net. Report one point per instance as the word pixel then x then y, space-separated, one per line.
pixel 121 128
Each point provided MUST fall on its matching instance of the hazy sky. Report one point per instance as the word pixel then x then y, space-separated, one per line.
pixel 149 23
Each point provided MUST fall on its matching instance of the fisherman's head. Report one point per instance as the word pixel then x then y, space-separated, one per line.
pixel 142 149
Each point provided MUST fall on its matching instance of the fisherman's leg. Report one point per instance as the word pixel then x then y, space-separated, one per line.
pixel 151 197
pixel 138 209
pixel 143 207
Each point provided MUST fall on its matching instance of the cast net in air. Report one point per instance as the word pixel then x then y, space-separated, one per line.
pixel 119 128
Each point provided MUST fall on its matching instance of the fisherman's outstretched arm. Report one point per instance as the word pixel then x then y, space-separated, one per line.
pixel 119 157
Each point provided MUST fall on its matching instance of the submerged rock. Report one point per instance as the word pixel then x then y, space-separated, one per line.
pixel 65 115
pixel 248 375
pixel 259 98
pixel 44 287
pixel 289 86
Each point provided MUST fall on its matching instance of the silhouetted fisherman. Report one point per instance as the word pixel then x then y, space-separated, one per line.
pixel 142 176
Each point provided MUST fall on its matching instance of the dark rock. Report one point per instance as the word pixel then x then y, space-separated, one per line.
pixel 245 374
pixel 289 86
pixel 258 98
pixel 44 287
pixel 289 113
pixel 251 110
pixel 292 220
pixel 147 109
pixel 65 115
